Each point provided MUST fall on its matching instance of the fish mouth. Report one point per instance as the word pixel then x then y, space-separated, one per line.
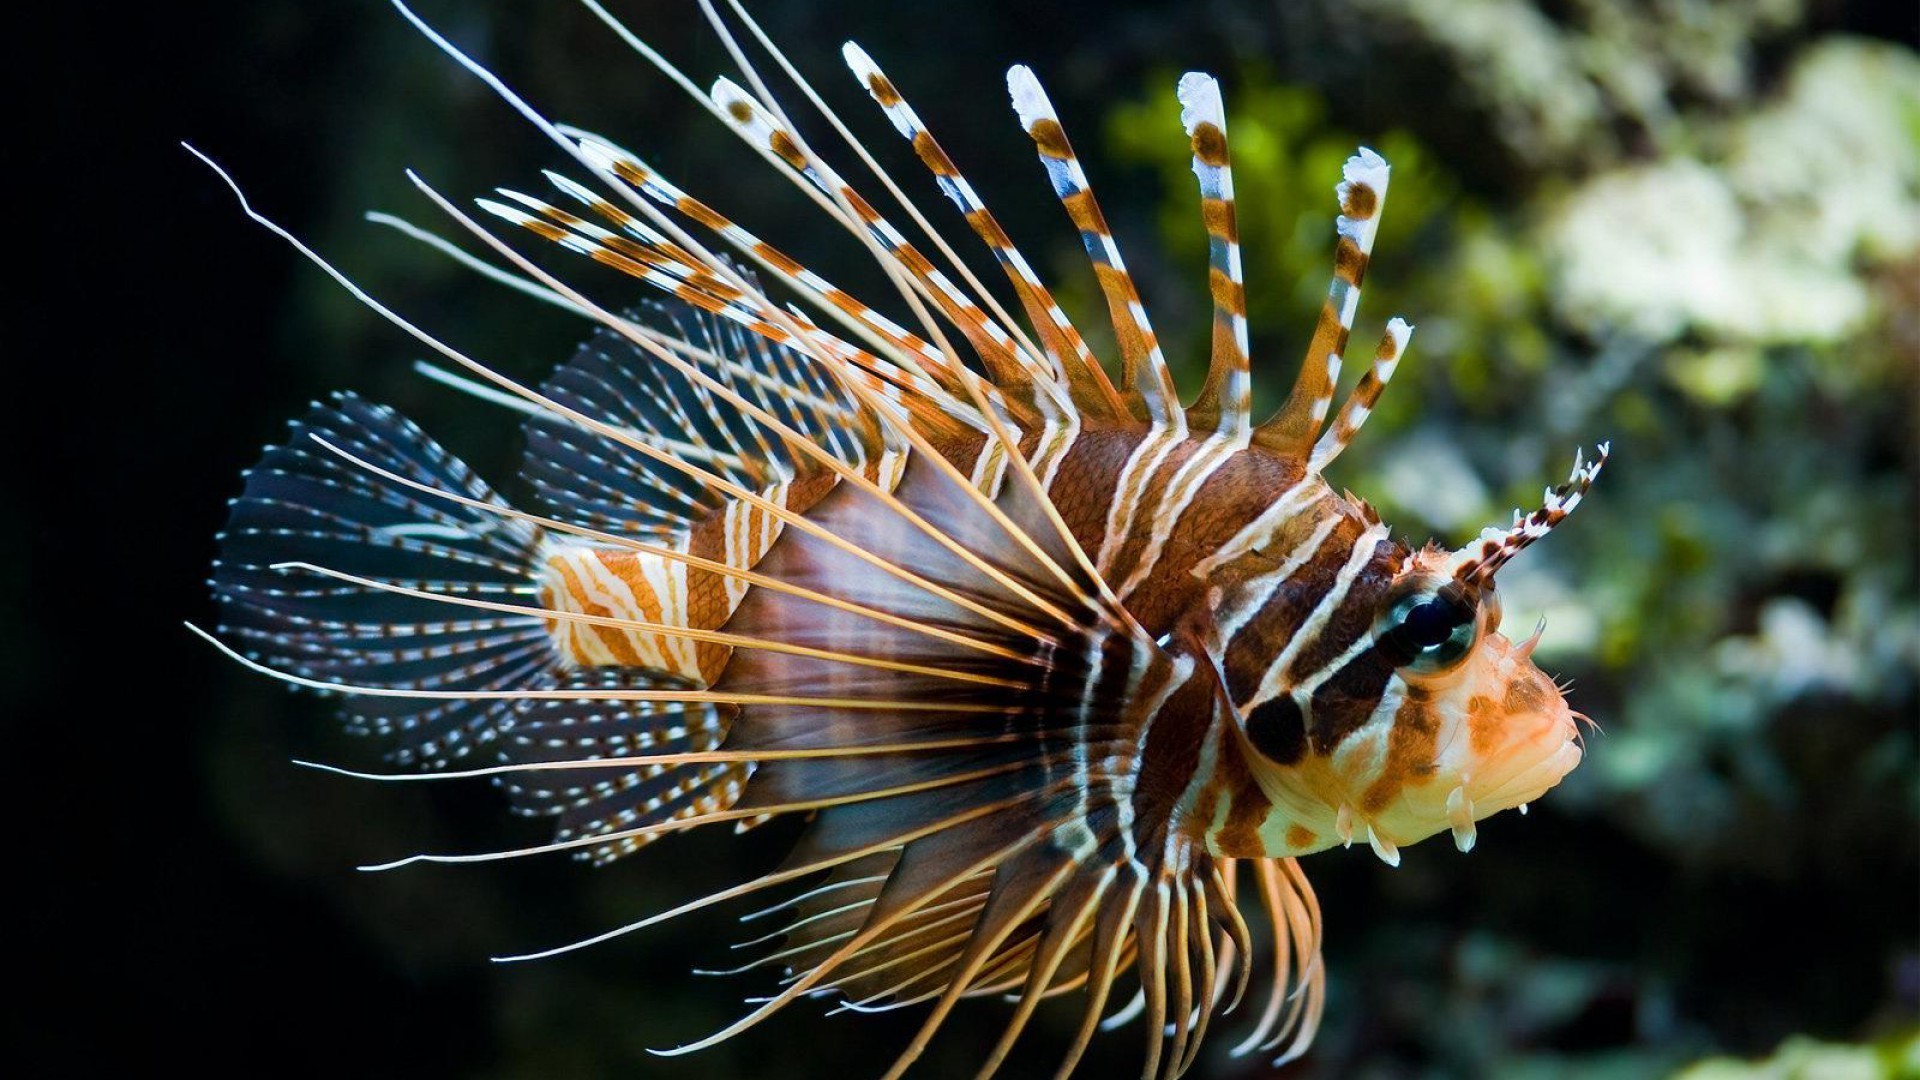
pixel 1518 773
pixel 1521 770
pixel 1531 769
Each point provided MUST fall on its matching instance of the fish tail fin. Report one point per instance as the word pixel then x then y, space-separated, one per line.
pixel 363 554
pixel 308 505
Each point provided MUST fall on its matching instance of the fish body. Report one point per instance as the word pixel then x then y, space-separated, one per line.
pixel 1059 668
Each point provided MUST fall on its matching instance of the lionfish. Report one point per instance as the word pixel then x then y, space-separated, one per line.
pixel 1056 669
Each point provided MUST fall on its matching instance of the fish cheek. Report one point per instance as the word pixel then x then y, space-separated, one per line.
pixel 1344 703
pixel 1484 716
pixel 1411 744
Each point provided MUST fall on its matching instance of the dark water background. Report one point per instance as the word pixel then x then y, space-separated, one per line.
pixel 1735 867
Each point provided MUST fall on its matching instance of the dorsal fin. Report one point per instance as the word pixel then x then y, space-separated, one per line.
pixel 1223 402
pixel 594 480
pixel 1144 373
pixel 1362 193
pixel 1025 379
pixel 627 168
pixel 702 288
pixel 1086 383
pixel 1365 394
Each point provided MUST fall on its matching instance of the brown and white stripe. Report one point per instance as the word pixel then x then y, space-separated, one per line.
pixel 1362 192
pixel 1228 387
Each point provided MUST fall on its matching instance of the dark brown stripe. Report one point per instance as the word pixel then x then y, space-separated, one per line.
pixel 1253 649
pixel 1147 510
pixel 1117 281
pixel 861 207
pixel 779 261
pixel 1344 702
pixel 1210 145
pixel 917 263
pixel 1084 483
pixel 883 91
pixel 1051 138
pixel 628 266
pixel 1349 262
pixel 1354 616
pixel 989 229
pixel 699 212
pixel 1361 202
pixel 1217 214
pixel 931 153
pixel 551 232
pixel 715 286
pixel 1175 735
pixel 1085 212
pixel 789 151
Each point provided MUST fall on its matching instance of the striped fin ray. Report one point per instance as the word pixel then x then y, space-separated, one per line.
pixel 596 481
pixel 624 167
pixel 1364 396
pixel 672 269
pixel 304 503
pixel 1362 192
pixel 1050 402
pixel 647 246
pixel 926 401
pixel 1145 373
pixel 1026 381
pixel 983 398
pixel 894 507
pixel 786 433
pixel 1092 393
pixel 1225 398
pixel 1027 354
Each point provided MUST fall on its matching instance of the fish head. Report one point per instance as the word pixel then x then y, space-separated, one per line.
pixel 1431 721
pixel 1468 724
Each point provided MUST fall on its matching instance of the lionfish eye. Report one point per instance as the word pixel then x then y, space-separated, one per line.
pixel 1430 632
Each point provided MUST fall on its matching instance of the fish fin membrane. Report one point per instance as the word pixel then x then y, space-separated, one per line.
pixel 305 503
pixel 1036 843
pixel 592 479
pixel 618 798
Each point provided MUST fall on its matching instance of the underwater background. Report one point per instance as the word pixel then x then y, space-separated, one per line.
pixel 1689 227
